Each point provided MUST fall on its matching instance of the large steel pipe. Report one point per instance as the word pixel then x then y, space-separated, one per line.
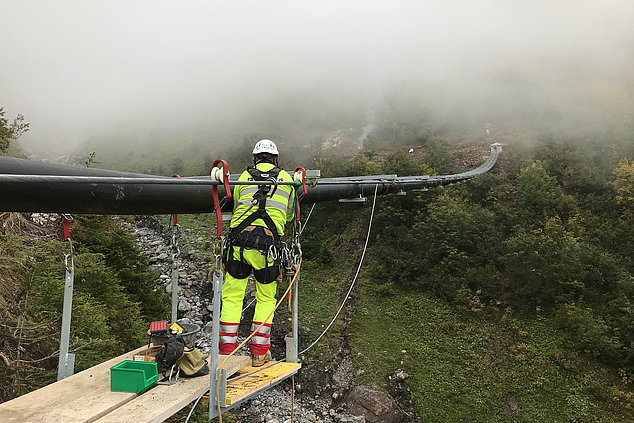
pixel 30 186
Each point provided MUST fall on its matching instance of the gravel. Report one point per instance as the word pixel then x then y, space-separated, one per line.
pixel 273 405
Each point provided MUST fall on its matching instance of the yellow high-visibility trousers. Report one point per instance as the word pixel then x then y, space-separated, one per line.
pixel 232 302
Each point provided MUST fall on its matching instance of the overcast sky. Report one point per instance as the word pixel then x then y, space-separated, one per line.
pixel 74 68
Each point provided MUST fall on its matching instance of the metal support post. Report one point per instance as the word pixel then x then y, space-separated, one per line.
pixel 215 339
pixel 175 269
pixel 296 319
pixel 66 364
pixel 292 339
pixel 174 292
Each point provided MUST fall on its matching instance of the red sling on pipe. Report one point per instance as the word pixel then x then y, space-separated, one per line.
pixel 214 194
pixel 175 216
pixel 303 186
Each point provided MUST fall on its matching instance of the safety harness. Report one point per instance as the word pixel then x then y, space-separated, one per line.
pixel 252 237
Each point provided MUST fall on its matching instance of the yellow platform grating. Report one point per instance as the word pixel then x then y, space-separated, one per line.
pixel 246 386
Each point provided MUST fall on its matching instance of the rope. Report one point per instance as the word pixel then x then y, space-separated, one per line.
pixel 259 369
pixel 248 305
pixel 307 219
pixel 365 247
pixel 195 404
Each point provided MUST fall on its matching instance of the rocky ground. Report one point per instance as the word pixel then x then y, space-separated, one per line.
pixel 321 394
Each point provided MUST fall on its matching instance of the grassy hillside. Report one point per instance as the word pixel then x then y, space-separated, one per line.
pixel 473 366
pixel 505 299
pixel 467 361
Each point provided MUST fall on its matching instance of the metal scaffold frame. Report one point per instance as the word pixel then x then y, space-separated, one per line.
pixel 218 376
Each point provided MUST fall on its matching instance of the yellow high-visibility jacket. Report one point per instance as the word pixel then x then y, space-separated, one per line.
pixel 280 207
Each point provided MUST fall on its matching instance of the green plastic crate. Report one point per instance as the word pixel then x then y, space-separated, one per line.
pixel 133 376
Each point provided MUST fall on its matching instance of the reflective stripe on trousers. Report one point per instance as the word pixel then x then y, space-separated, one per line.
pixel 232 303
pixel 228 337
pixel 261 340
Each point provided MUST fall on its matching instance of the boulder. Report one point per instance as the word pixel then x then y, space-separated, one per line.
pixel 374 405
pixel 184 305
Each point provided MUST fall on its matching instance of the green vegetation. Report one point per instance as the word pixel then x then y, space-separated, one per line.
pixel 494 367
pixel 11 131
pixel 511 296
pixel 115 296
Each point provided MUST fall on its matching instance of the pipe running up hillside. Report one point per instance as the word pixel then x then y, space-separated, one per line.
pixel 30 186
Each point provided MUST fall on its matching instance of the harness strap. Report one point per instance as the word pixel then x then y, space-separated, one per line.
pixel 258 214
pixel 261 195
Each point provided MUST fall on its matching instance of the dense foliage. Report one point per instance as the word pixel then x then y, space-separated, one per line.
pixel 115 296
pixel 549 232
pixel 515 289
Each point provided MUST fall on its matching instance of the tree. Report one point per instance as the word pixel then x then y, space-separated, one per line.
pixel 624 186
pixel 456 243
pixel 91 159
pixel 544 265
pixel 10 131
pixel 539 196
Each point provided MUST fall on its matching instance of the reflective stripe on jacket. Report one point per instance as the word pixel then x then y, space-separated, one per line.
pixel 279 207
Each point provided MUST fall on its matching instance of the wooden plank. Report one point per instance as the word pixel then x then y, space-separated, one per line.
pixel 83 397
pixel 247 385
pixel 163 401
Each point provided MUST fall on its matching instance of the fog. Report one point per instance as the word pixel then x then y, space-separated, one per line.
pixel 78 69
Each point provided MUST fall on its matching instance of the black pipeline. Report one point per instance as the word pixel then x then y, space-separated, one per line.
pixel 30 186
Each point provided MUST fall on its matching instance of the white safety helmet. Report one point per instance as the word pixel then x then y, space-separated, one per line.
pixel 265 146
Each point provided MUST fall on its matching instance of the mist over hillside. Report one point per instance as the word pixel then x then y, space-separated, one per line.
pixel 219 72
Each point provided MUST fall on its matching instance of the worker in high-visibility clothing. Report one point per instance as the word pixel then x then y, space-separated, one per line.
pixel 260 213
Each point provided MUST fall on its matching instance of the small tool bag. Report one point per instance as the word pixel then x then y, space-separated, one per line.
pixel 169 356
pixel 193 363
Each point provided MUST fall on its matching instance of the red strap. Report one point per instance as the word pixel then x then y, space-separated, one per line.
pixel 66 226
pixel 214 194
pixel 304 188
pixel 175 216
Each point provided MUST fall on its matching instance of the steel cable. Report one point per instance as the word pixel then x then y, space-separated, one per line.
pixel 365 247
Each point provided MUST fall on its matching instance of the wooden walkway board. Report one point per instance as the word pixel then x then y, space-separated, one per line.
pixel 163 401
pixel 247 385
pixel 86 397
pixel 82 397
